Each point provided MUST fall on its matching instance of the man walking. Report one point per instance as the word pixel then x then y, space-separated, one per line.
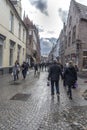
pixel 54 74
pixel 71 78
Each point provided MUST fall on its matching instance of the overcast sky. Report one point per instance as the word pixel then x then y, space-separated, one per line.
pixel 48 15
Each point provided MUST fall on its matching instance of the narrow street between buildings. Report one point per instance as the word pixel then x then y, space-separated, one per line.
pixel 28 105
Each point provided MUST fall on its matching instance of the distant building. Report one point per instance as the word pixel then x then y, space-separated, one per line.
pixel 54 53
pixel 12 36
pixel 33 51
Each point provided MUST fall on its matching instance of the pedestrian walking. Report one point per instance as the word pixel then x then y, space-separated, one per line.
pixel 45 65
pixel 75 84
pixel 24 69
pixel 53 75
pixel 35 69
pixel 65 76
pixel 14 71
pixel 18 69
pixel 71 77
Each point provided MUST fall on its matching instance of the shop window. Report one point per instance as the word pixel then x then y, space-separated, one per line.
pixel 85 59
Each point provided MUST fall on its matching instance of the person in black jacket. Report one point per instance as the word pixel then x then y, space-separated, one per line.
pixel 71 77
pixel 24 69
pixel 54 74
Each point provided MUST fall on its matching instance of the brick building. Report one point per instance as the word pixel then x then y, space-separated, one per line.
pixel 33 52
pixel 76 35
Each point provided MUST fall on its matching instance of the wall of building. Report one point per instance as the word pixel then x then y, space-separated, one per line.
pixel 5 9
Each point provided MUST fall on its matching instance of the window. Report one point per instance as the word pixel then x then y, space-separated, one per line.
pixel 84 62
pixel 11 52
pixel 19 31
pixel 1 51
pixel 11 57
pixel 70 20
pixel 11 22
pixel 65 42
pixel 23 51
pixel 69 38
pixel 84 53
pixel 30 32
pixel 23 34
pixel 74 34
pixel 85 59
pixel 18 53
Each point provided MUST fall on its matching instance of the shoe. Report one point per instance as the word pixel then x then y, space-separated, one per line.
pixel 52 97
pixel 52 94
pixel 67 92
pixel 70 98
pixel 58 94
pixel 73 87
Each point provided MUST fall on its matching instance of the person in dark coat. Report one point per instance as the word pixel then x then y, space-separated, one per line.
pixel 24 69
pixel 35 69
pixel 53 75
pixel 64 77
pixel 71 77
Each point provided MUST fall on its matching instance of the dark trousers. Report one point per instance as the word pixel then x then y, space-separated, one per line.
pixel 64 83
pixel 54 84
pixel 24 72
pixel 16 76
pixel 70 91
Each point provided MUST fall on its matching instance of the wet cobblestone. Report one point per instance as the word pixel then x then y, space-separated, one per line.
pixel 40 111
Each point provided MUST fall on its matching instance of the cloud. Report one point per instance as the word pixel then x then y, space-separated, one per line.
pixel 46 44
pixel 63 15
pixel 41 5
pixel 50 32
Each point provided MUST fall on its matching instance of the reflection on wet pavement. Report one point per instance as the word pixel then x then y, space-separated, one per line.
pixel 41 111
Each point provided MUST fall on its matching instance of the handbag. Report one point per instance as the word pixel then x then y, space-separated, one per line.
pixel 27 72
pixel 76 84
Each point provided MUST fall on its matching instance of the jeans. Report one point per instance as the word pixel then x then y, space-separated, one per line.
pixel 54 84
pixel 24 72
pixel 14 77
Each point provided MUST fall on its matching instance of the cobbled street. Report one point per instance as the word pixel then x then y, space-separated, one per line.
pixel 28 105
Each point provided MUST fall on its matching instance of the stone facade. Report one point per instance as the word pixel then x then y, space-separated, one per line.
pixel 62 41
pixel 12 36
pixel 76 35
pixel 33 42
